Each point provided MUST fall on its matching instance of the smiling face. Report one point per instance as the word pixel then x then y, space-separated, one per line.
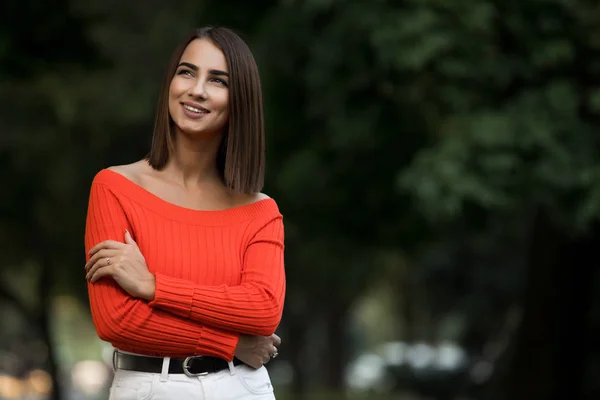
pixel 211 90
pixel 199 90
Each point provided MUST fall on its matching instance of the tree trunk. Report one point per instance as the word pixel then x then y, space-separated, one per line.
pixel 573 329
pixel 407 309
pixel 44 323
pixel 337 347
pixel 295 345
pixel 548 357
pixel 42 245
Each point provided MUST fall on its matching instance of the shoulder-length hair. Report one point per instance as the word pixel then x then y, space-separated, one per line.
pixel 241 158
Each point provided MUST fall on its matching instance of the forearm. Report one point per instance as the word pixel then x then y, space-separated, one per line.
pixel 131 324
pixel 250 308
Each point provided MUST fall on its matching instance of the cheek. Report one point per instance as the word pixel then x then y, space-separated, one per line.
pixel 177 88
pixel 172 104
pixel 224 112
pixel 172 91
pixel 224 104
pixel 174 95
pixel 224 119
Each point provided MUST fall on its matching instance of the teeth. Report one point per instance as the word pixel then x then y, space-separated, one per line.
pixel 192 109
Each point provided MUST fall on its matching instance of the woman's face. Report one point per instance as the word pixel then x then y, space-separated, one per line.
pixel 199 91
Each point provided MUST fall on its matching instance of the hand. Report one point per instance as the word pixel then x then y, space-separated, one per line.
pixel 123 262
pixel 255 351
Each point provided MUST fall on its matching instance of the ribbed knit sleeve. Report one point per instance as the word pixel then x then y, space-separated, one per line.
pixel 131 324
pixel 254 307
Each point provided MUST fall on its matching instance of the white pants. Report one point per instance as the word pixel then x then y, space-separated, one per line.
pixel 237 383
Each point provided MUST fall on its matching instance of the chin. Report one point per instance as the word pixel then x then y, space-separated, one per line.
pixel 188 127
pixel 196 131
pixel 192 131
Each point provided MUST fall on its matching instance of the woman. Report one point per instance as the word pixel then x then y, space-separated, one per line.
pixel 185 255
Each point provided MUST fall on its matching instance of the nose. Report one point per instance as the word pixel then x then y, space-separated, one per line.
pixel 197 89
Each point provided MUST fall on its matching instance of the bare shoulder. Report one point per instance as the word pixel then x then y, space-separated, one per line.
pixel 247 199
pixel 259 197
pixel 134 171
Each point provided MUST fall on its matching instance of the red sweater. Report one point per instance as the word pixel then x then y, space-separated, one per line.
pixel 219 273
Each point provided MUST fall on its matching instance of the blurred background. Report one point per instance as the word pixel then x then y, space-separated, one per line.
pixel 436 162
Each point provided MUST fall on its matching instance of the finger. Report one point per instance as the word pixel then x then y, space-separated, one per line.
pixel 102 263
pixel 276 340
pixel 101 255
pixel 107 244
pixel 129 239
pixel 102 272
pixel 92 270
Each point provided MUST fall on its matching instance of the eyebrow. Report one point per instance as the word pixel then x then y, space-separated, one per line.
pixel 211 71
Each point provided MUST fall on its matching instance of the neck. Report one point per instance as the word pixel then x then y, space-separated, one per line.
pixel 194 160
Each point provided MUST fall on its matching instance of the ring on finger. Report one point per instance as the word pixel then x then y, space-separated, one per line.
pixel 107 260
pixel 274 355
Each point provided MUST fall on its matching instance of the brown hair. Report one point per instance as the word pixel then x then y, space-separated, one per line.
pixel 241 158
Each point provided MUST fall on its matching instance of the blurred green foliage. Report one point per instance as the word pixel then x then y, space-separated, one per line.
pixel 411 145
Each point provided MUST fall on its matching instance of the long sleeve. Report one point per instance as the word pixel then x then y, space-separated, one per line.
pixel 254 307
pixel 131 324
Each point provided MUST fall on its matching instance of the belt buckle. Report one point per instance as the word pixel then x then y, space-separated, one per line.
pixel 114 359
pixel 186 367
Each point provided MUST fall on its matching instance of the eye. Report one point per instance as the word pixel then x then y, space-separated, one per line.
pixel 185 72
pixel 219 81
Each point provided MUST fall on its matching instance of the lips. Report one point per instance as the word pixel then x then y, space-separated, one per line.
pixel 196 108
pixel 194 111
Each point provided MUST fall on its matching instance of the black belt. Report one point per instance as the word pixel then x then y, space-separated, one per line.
pixel 191 366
